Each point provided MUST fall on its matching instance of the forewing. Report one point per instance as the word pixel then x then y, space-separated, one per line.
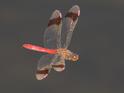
pixel 69 23
pixel 60 65
pixel 44 66
pixel 52 34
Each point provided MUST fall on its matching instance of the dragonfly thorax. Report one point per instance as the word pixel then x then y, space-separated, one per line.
pixel 67 54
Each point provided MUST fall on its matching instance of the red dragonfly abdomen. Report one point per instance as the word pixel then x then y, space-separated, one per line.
pixel 39 49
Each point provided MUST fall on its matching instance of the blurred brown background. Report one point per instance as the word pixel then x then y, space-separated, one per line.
pixel 98 39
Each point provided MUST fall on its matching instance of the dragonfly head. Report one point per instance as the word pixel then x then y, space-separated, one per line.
pixel 74 57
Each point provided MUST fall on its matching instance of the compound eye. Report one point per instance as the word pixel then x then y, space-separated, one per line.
pixel 75 58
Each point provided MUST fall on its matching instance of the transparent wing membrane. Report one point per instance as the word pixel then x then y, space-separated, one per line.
pixel 45 60
pixel 44 66
pixel 69 23
pixel 52 34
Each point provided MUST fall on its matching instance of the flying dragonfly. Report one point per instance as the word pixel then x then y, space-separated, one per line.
pixel 57 37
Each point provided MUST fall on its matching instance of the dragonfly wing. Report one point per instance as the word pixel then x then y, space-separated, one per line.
pixel 69 23
pixel 60 65
pixel 43 72
pixel 44 66
pixel 52 34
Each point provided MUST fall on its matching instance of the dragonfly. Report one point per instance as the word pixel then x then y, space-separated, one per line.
pixel 57 37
